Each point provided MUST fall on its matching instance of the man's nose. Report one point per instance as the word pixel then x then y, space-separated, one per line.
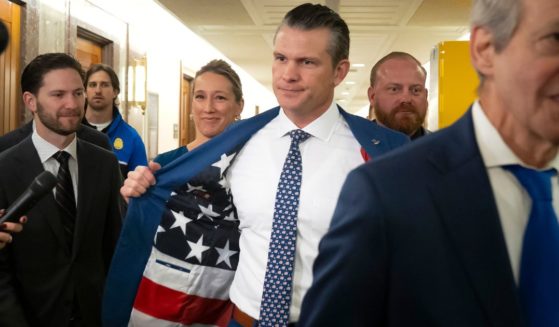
pixel 290 71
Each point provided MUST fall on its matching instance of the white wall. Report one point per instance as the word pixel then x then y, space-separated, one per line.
pixel 167 43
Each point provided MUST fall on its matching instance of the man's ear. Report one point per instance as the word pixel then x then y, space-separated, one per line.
pixel 30 101
pixel 371 95
pixel 482 50
pixel 341 71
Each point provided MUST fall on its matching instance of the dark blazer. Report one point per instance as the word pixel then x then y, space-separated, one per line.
pixel 85 133
pixel 416 240
pixel 40 277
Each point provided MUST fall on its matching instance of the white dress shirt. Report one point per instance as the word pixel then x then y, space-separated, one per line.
pixel 47 150
pixel 513 202
pixel 327 157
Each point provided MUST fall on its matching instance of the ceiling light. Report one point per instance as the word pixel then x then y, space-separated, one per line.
pixel 357 65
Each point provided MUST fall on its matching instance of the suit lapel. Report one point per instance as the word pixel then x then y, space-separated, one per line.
pixel 372 137
pixel 26 156
pixel 464 197
pixel 88 174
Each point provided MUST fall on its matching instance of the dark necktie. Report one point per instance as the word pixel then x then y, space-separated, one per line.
pixel 64 196
pixel 278 281
pixel 539 265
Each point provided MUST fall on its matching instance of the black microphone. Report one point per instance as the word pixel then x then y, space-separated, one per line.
pixel 41 185
pixel 4 37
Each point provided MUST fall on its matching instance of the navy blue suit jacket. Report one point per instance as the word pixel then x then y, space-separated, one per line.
pixel 144 213
pixel 416 240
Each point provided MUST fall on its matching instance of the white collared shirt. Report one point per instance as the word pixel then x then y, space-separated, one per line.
pixel 513 202
pixel 47 150
pixel 327 157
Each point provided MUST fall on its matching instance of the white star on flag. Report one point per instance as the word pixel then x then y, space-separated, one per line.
pixel 224 183
pixel 208 212
pixel 180 221
pixel 197 248
pixel 230 217
pixel 225 254
pixel 195 188
pixel 224 162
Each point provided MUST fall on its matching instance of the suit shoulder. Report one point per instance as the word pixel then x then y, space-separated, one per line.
pixel 94 136
pixel 445 148
pixel 12 138
pixel 15 149
pixel 95 149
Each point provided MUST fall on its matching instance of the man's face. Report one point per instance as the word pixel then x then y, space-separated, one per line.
pixel 525 75
pixel 399 96
pixel 303 76
pixel 100 92
pixel 59 103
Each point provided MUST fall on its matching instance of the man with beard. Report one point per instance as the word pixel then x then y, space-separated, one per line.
pixel 84 132
pixel 397 94
pixel 53 271
pixel 102 88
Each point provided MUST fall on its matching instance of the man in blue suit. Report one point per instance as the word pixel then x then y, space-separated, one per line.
pixel 310 58
pixel 437 234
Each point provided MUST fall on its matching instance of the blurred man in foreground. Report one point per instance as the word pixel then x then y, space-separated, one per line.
pixel 460 229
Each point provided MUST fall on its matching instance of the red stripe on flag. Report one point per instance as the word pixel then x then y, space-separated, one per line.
pixel 164 303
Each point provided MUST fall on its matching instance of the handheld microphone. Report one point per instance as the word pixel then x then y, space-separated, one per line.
pixel 40 186
pixel 4 37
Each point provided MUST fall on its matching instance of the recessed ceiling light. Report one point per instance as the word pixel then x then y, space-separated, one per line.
pixel 350 83
pixel 357 65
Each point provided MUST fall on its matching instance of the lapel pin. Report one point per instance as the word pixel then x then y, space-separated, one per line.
pixel 375 141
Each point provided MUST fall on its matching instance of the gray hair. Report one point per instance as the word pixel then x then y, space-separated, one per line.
pixel 500 17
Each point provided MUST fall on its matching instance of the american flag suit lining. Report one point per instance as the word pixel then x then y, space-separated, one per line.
pixel 185 277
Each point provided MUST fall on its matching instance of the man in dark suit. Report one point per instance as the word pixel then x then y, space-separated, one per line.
pixel 440 233
pixel 84 132
pixel 53 272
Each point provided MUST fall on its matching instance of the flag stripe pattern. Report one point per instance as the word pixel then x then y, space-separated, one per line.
pixel 194 256
pixel 143 219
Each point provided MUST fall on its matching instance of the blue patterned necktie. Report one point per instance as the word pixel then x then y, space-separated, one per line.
pixel 64 196
pixel 539 265
pixel 278 282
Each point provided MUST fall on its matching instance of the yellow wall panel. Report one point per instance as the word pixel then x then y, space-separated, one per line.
pixel 457 81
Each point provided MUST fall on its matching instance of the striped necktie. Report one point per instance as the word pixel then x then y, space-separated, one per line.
pixel 64 196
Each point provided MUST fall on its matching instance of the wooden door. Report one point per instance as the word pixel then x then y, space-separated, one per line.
pixel 187 131
pixel 11 114
pixel 88 53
